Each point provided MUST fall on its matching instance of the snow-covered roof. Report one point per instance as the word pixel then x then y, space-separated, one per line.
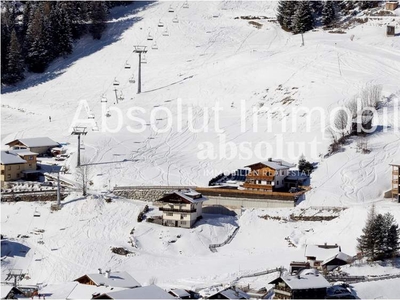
pixel 36 142
pixel 306 279
pixel 341 256
pixel 116 279
pixel 190 195
pixel 180 293
pixel 275 164
pixel 145 292
pixel 23 152
pixel 322 252
pixel 231 293
pixel 228 292
pixel 8 158
pixel 5 290
pixel 75 290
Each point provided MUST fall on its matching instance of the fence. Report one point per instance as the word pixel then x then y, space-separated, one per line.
pixel 356 279
pixel 227 241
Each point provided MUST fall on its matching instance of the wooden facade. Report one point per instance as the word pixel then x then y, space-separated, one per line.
pixel 260 178
pixel 283 291
pixel 396 182
pixel 391 5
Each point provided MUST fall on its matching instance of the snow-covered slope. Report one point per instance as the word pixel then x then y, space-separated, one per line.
pixel 210 57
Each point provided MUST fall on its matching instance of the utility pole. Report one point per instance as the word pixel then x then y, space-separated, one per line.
pixel 302 39
pixel 79 131
pixel 116 94
pixel 58 191
pixel 140 50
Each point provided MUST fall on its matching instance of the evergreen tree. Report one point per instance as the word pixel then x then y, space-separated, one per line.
pixel 37 57
pixel 98 16
pixel 328 13
pixel 60 30
pixel 303 19
pixel 285 12
pixel 392 236
pixel 7 26
pixel 380 238
pixel 366 242
pixel 15 67
pixel 305 166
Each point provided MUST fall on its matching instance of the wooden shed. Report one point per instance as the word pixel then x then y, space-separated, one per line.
pixel 391 5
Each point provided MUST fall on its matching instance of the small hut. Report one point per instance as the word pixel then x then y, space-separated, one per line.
pixel 391 5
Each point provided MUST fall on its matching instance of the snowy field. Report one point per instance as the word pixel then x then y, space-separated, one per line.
pixel 209 57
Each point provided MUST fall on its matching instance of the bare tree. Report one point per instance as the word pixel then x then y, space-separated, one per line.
pixel 353 106
pixel 341 122
pixel 83 175
pixel 371 95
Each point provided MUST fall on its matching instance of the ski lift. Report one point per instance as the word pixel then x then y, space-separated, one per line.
pixel 149 37
pixel 121 96
pixel 108 113
pixel 154 46
pixel 116 82
pixel 127 65
pixel 36 214
pixel 103 99
pixel 160 24
pixel 165 33
pixel 144 59
pixel 132 79
pixel 175 20
pixel 82 145
pixel 91 116
pixel 185 5
pixel 170 9
pixel 95 127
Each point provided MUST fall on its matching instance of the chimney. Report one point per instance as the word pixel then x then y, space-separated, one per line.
pixel 99 270
pixel 107 274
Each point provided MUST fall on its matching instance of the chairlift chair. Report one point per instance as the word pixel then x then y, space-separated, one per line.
pixel 108 113
pixel 116 82
pixel 144 59
pixel 149 37
pixel 82 145
pixel 154 46
pixel 132 79
pixel 175 20
pixel 160 24
pixel 170 9
pixel 103 99
pixel 121 96
pixel 36 214
pixel 127 65
pixel 91 116
pixel 185 5
pixel 165 33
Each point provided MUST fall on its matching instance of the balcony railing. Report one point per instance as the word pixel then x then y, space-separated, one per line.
pixel 182 210
pixel 257 186
pixel 260 177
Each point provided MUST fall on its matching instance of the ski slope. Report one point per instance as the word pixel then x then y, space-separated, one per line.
pixel 210 57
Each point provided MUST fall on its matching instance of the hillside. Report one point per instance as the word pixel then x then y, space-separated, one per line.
pixel 212 60
pixel 210 57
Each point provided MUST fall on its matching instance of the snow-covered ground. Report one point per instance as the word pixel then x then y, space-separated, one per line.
pixel 209 57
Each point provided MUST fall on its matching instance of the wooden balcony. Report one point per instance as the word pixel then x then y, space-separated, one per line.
pixel 395 191
pixel 260 177
pixel 257 186
pixel 170 209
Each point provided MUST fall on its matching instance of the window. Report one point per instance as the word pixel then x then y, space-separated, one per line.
pixel 183 222
pixel 170 214
pixel 30 157
pixel 9 168
pixel 2 172
pixel 283 172
pixel 19 167
pixel 8 176
pixel 277 183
